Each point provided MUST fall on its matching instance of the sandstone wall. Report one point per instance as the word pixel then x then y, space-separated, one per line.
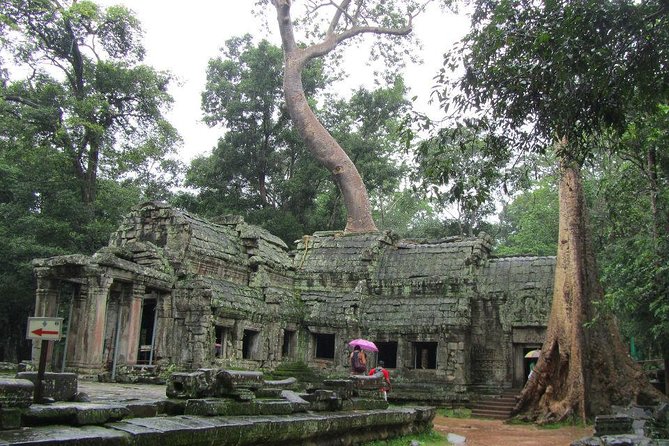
pixel 231 294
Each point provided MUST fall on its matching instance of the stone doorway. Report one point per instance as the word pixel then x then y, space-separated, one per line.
pixel 521 364
pixel 147 330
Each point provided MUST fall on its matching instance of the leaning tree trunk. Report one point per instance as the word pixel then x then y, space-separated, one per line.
pixel 318 140
pixel 584 367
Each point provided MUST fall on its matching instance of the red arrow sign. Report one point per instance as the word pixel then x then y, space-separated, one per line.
pixel 40 332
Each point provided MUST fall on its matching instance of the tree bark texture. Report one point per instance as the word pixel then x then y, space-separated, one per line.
pixel 318 140
pixel 584 367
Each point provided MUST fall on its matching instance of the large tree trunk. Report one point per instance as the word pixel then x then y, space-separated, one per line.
pixel 584 367
pixel 318 140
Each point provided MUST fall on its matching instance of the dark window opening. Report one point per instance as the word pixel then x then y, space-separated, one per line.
pixel 250 344
pixel 387 353
pixel 325 345
pixel 146 331
pixel 425 355
pixel 288 347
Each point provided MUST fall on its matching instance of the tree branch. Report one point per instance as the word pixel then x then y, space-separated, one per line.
pixel 21 100
pixel 341 9
pixel 332 41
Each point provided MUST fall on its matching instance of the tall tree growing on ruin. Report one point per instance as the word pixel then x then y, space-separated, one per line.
pixel 558 74
pixel 333 24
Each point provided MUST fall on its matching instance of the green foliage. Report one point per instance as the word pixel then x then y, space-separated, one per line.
pixel 82 139
pixel 432 438
pixel 41 216
pixel 632 214
pixel 552 70
pixel 571 421
pixel 86 93
pixel 458 412
pixel 463 168
pixel 529 223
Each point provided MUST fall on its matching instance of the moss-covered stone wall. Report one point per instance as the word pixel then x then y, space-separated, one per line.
pixel 231 294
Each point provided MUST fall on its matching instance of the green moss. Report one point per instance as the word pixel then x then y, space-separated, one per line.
pixel 569 422
pixel 459 412
pixel 431 438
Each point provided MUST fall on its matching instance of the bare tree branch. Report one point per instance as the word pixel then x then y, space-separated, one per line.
pixel 341 9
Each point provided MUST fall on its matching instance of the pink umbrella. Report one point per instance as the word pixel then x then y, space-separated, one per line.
pixel 364 344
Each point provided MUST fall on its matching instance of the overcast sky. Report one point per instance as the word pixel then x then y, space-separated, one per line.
pixel 181 36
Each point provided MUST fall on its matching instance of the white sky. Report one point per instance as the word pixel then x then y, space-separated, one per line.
pixel 182 36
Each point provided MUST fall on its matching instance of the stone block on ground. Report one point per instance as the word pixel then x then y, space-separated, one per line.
pixel 211 407
pixel 626 440
pixel 144 409
pixel 268 393
pixel 306 428
pixel 58 386
pixel 174 407
pixel 456 439
pixel 364 404
pixel 16 393
pixel 66 435
pixel 74 414
pixel 587 441
pixel 287 383
pixel 322 400
pixel 273 407
pixel 344 388
pixel 613 425
pixel 10 418
pixel 319 395
pixel 298 403
pixel 184 385
pixel 236 379
pixel 8 367
pixel 368 382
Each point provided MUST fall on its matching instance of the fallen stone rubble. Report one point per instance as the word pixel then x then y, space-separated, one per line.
pixel 213 406
pixel 631 426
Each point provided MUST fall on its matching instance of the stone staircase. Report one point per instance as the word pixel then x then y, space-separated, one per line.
pixel 497 406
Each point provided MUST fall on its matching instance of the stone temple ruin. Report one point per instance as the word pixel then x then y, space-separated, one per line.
pixel 172 289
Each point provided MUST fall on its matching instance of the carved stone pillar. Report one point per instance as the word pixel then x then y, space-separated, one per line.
pixel 129 345
pixel 46 305
pixel 46 295
pixel 91 317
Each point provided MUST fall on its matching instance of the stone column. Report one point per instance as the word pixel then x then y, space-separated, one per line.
pixel 91 318
pixel 46 305
pixel 46 295
pixel 132 306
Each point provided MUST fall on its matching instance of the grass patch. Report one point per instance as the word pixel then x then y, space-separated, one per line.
pixel 569 422
pixel 431 438
pixel 565 423
pixel 458 412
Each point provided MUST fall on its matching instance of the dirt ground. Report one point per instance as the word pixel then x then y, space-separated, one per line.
pixel 480 432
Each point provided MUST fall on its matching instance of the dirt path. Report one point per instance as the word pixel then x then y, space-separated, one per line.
pixel 496 433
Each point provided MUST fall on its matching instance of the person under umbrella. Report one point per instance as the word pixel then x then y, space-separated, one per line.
pixel 358 361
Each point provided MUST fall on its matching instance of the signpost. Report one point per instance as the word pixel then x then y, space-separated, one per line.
pixel 45 329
